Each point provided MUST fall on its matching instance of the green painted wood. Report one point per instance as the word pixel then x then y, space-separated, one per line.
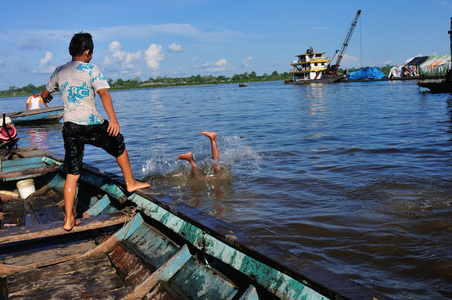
pixel 51 161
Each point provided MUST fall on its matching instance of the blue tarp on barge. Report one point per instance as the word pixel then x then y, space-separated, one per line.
pixel 366 73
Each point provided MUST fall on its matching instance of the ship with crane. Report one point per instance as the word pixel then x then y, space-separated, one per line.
pixel 314 67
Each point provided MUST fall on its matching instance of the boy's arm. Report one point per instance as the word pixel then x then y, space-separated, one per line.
pixel 113 128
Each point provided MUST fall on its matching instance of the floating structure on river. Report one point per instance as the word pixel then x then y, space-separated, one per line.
pixel 313 67
pixel 443 86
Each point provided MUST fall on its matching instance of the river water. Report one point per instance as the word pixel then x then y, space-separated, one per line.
pixel 355 177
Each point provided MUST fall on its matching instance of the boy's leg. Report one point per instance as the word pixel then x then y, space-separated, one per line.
pixel 189 157
pixel 70 190
pixel 215 152
pixel 131 184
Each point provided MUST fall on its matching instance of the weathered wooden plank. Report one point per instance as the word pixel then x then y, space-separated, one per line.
pixel 26 173
pixel 163 292
pixel 29 215
pixel 164 273
pixel 18 234
pixel 250 294
pixel 15 164
pixel 44 206
pixel 47 254
pixel 13 214
pixel 98 208
pixel 124 262
pixel 76 268
pixel 155 248
pixel 84 279
pixel 204 282
pixel 128 266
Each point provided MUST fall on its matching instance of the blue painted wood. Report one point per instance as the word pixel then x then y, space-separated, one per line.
pixel 129 228
pixel 57 183
pixel 100 207
pixel 44 114
pixel 167 271
pixel 250 294
pixel 19 164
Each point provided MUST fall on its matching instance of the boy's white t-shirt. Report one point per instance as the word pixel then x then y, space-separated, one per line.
pixel 78 83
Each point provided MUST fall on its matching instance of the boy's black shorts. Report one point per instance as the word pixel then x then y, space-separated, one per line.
pixel 76 136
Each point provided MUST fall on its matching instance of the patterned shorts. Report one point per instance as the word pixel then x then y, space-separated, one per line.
pixel 77 136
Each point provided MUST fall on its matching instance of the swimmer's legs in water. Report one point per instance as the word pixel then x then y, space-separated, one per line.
pixel 215 155
pixel 189 157
pixel 215 152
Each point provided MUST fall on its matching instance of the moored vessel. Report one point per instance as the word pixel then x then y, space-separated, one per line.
pixel 444 86
pixel 313 67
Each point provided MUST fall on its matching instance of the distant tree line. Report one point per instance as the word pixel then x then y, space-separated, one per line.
pixel 195 80
pixel 165 81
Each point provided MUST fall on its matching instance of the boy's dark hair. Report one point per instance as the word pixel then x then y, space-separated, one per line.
pixel 81 42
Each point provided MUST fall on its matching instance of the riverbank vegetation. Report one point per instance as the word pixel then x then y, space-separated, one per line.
pixel 136 83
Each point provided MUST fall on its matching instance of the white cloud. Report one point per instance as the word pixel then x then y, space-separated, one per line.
pixel 246 62
pixel 349 58
pixel 145 31
pixel 220 65
pixel 120 60
pixel 154 56
pixel 174 48
pixel 44 66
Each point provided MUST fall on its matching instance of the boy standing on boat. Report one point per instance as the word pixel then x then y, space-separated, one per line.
pixel 34 101
pixel 78 81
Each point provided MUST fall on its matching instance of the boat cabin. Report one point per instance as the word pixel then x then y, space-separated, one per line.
pixel 309 66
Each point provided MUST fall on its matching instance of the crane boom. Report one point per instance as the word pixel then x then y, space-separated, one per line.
pixel 334 68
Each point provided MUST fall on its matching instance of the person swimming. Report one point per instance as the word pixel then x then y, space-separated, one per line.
pixel 215 155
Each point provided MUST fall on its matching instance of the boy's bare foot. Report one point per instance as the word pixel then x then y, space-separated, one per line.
pixel 187 156
pixel 70 223
pixel 210 135
pixel 136 185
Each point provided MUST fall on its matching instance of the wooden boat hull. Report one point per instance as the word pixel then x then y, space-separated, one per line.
pixel 313 81
pixel 140 246
pixel 42 115
pixel 436 87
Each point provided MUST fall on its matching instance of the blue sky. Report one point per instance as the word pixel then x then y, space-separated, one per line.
pixel 177 38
